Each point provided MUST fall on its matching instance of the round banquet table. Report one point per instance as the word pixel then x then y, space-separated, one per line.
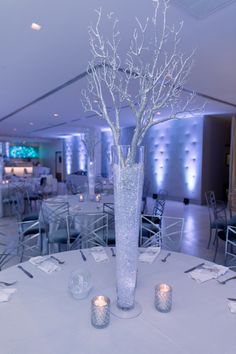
pixel 87 206
pixel 43 318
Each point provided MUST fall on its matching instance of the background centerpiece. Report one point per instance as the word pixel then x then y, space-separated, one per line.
pixel 90 142
pixel 146 79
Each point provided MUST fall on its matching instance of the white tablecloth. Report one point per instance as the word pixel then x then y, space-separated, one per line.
pixel 43 318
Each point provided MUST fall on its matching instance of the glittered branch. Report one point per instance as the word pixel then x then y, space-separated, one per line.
pixel 149 79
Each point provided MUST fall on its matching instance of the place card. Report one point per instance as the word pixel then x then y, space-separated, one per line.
pixel 149 254
pixel 207 272
pixel 99 254
pixel 6 294
pixel 44 264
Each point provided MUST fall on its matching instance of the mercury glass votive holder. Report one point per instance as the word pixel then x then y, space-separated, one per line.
pixel 163 297
pixel 100 311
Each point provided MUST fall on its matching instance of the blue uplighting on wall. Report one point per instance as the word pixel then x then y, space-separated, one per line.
pixel 68 154
pixel 81 153
pixel 75 153
pixel 106 143
pixel 174 158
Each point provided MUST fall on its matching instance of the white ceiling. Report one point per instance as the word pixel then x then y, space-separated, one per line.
pixel 32 63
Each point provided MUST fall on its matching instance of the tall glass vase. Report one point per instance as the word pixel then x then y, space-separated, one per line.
pixel 128 185
pixel 91 178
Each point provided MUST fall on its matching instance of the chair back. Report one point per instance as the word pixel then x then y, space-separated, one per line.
pixel 29 243
pixel 150 231
pixel 167 234
pixel 211 204
pixel 232 202
pixel 172 233
pixel 54 215
pixel 230 246
pixel 210 198
pixel 108 208
pixel 13 198
pixel 159 206
pixel 220 212
pixel 93 229
pixel 72 188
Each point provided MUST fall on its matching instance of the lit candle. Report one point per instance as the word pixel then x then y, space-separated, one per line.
pixel 81 197
pixel 98 197
pixel 100 311
pixel 163 297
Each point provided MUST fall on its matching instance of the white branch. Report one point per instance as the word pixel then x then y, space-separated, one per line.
pixel 150 77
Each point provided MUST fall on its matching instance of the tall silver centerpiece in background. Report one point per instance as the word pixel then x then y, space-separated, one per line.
pixel 90 142
pixel 148 79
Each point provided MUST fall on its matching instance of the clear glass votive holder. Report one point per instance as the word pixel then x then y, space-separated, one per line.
pixel 80 284
pixel 163 297
pixel 100 311
pixel 81 197
pixel 98 197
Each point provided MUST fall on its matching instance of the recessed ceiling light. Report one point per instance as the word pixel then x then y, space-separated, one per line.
pixel 14 129
pixel 158 113
pixel 31 123
pixel 55 115
pixel 36 26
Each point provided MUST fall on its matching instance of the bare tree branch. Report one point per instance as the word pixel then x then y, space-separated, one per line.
pixel 150 78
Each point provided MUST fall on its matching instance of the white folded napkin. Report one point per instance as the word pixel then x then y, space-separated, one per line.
pixel 150 254
pixel 6 293
pixel 232 306
pixel 44 264
pixel 208 272
pixel 99 254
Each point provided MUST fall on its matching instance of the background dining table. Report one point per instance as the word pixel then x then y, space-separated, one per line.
pixel 79 207
pixel 43 318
